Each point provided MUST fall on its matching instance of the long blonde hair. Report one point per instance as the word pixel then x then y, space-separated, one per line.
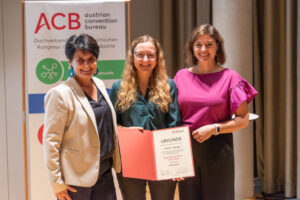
pixel 159 92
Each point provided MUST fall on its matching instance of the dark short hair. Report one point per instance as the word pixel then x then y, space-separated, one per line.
pixel 82 42
pixel 205 29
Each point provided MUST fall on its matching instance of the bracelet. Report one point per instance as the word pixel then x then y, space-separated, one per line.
pixel 217 129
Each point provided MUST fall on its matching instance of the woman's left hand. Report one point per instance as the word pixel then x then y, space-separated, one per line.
pixel 204 133
pixel 64 195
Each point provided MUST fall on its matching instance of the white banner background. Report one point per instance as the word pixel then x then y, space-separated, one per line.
pixel 47 27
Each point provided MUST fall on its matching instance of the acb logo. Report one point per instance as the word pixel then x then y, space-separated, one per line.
pixel 58 21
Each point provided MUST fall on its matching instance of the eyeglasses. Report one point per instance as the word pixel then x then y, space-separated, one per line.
pixel 89 61
pixel 141 56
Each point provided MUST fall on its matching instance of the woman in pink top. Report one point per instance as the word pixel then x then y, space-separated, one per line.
pixel 208 96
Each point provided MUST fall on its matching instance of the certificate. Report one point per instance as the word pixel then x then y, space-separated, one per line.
pixel 156 155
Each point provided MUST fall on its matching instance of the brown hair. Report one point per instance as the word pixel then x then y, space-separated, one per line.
pixel 205 29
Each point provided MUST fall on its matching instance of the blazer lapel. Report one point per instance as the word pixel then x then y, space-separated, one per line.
pixel 82 99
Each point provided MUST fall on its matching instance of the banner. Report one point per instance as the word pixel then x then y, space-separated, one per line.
pixel 48 25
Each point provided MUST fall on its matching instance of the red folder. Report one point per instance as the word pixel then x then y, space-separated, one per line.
pixel 137 153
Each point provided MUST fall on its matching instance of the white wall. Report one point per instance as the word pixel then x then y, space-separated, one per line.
pixel 3 145
pixel 233 19
pixel 11 137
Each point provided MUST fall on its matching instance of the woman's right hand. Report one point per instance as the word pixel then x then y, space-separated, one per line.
pixel 178 179
pixel 64 195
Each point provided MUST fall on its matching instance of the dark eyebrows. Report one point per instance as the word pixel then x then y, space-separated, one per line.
pixel 92 56
pixel 212 41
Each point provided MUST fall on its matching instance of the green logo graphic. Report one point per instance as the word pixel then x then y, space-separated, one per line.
pixel 49 71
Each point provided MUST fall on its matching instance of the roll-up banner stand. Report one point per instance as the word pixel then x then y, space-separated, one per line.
pixel 46 27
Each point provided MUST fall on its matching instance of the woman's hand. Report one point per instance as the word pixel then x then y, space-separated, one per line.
pixel 204 133
pixel 178 179
pixel 64 195
pixel 135 127
pixel 132 127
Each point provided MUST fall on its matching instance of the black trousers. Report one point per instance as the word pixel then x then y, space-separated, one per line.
pixel 214 170
pixel 104 188
pixel 135 189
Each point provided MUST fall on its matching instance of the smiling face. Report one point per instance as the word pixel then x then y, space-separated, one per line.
pixel 205 48
pixel 84 65
pixel 145 57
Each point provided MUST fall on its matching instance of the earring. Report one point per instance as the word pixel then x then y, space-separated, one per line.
pixel 71 72
pixel 97 71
